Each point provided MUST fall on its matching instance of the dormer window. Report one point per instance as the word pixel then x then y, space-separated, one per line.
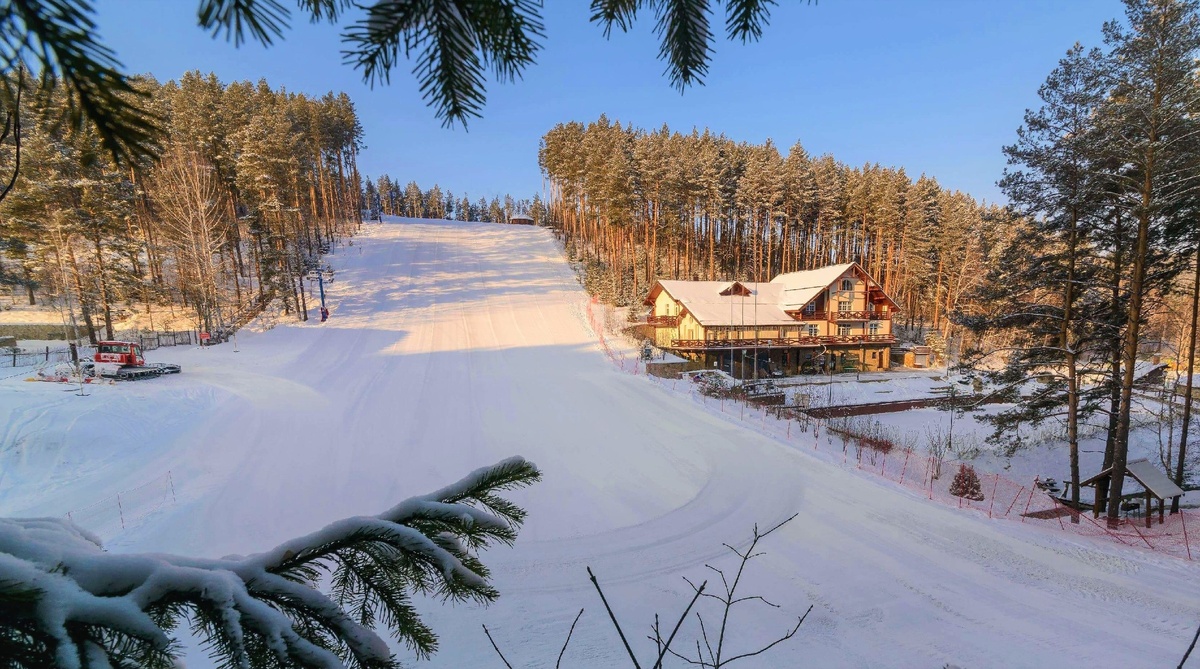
pixel 810 308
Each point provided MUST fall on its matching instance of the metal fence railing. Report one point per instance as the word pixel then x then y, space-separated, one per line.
pixel 149 341
pixel 15 357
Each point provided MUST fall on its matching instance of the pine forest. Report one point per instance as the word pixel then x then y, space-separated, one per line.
pixel 636 206
pixel 385 196
pixel 251 186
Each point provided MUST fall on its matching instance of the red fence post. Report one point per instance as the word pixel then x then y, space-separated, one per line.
pixel 1028 501
pixel 1057 515
pixel 995 483
pixel 1182 521
pixel 1139 532
pixel 905 467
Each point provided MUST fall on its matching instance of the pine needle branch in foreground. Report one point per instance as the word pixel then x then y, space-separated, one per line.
pixel 67 603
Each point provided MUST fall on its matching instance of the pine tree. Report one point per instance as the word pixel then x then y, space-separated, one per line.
pixel 1046 300
pixel 1150 134
pixel 966 484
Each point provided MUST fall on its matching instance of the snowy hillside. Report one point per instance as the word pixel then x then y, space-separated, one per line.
pixel 454 345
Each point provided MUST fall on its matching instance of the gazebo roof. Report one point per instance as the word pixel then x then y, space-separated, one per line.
pixel 1151 478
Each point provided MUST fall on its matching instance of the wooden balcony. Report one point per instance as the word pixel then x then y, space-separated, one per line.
pixel 663 321
pixel 779 342
pixel 841 315
pixel 861 316
pixel 805 316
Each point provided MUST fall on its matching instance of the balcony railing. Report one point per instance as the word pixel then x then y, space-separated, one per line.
pixel 841 315
pixel 781 342
pixel 862 315
pixel 663 321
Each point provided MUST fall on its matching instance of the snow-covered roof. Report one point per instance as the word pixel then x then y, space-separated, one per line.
pixel 1153 478
pixel 716 303
pixel 1148 475
pixel 799 288
pixel 706 303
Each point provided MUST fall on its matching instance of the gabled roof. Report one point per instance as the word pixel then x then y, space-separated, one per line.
pixel 726 303
pixel 1148 475
pixel 716 303
pixel 799 288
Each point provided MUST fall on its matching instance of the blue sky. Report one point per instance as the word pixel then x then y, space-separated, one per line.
pixel 934 86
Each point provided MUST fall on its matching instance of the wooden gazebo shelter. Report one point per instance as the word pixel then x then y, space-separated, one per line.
pixel 1156 483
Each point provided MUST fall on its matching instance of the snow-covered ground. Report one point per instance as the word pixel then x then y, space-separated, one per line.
pixel 454 345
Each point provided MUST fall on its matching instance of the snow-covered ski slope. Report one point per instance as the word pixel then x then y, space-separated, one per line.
pixel 454 345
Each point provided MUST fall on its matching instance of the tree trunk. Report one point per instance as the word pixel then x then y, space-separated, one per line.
pixel 1129 354
pixel 83 302
pixel 1187 399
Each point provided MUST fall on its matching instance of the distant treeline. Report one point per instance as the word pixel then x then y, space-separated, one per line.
pixel 386 196
pixel 251 186
pixel 637 205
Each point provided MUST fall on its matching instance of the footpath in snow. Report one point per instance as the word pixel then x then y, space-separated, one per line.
pixel 454 345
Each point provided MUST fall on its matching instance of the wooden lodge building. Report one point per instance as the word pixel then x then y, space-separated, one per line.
pixel 835 316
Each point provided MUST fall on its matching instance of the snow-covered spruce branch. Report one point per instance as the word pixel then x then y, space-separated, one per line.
pixel 64 602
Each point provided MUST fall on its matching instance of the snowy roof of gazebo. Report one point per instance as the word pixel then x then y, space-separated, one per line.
pixel 1151 478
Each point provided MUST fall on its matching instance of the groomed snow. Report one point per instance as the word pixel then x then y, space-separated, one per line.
pixel 454 345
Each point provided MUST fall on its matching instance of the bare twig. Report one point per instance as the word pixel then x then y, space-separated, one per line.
pixel 502 658
pixel 657 635
pixel 781 524
pixel 1190 648
pixel 662 653
pixel 704 633
pixel 777 641
pixel 569 633
pixel 613 618
pixel 729 600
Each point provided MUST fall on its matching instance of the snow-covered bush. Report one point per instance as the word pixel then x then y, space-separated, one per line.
pixel 65 602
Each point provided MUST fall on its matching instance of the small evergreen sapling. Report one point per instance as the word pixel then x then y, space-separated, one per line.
pixel 966 484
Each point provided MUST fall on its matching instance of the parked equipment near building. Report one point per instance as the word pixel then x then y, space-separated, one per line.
pixel 123 360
